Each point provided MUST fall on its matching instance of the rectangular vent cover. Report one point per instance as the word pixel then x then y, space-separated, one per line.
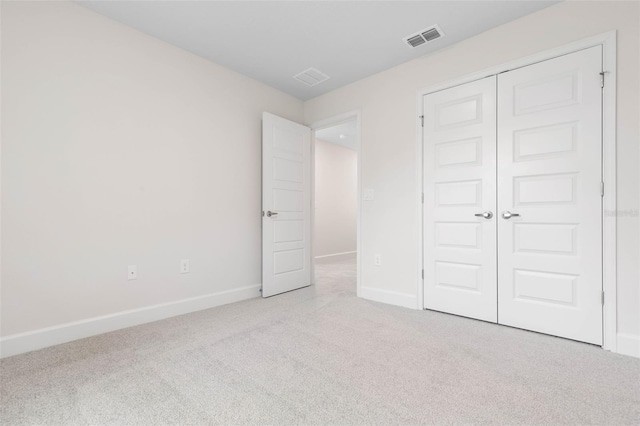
pixel 422 37
pixel 311 77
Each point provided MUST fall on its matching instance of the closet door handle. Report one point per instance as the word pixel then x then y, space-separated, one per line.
pixel 486 215
pixel 270 213
pixel 509 215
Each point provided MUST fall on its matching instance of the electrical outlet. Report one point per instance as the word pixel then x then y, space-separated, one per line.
pixel 377 260
pixel 132 272
pixel 184 266
pixel 368 194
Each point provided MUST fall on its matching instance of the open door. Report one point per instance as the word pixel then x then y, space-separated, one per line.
pixel 286 205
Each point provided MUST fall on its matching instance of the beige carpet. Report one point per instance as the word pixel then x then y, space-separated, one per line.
pixel 320 355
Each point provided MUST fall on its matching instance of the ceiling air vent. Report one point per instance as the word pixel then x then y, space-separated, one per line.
pixel 416 40
pixel 421 37
pixel 311 77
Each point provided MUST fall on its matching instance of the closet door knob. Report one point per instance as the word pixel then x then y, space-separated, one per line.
pixel 486 215
pixel 509 215
pixel 270 213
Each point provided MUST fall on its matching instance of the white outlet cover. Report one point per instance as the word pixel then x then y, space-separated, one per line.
pixel 132 272
pixel 185 267
pixel 368 194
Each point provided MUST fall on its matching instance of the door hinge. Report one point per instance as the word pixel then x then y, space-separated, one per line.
pixel 421 117
pixel 423 198
pixel 602 189
pixel 602 298
pixel 602 78
pixel 423 274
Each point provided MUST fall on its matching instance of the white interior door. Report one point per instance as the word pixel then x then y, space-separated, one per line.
pixel 549 174
pixel 286 205
pixel 460 200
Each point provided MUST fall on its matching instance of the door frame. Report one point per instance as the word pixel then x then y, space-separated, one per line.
pixel 322 124
pixel 609 222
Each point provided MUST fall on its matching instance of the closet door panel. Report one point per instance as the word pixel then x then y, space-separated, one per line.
pixel 549 199
pixel 460 183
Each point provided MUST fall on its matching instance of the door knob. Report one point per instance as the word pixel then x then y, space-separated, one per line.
pixel 270 213
pixel 509 215
pixel 486 215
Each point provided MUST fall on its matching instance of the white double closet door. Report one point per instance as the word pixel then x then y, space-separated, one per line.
pixel 512 198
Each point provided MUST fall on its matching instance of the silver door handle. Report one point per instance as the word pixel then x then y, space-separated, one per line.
pixel 270 213
pixel 509 215
pixel 486 215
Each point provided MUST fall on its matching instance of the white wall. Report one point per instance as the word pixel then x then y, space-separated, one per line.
pixel 336 202
pixel 388 103
pixel 120 149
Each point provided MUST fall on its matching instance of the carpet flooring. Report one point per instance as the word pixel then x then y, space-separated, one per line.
pixel 319 356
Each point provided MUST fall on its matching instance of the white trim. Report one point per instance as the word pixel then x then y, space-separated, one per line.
pixel 313 206
pixel 343 254
pixel 328 122
pixel 604 39
pixel 406 300
pixel 628 344
pixel 38 339
pixel 609 202
pixel 420 201
pixel 1 171
pixel 608 42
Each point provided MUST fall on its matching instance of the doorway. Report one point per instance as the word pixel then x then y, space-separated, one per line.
pixel 288 202
pixel 335 203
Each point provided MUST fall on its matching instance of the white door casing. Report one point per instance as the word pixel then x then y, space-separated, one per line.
pixel 549 172
pixel 286 205
pixel 459 140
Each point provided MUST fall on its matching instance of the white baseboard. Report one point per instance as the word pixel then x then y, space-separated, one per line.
pixel 406 300
pixel 336 256
pixel 38 339
pixel 628 344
